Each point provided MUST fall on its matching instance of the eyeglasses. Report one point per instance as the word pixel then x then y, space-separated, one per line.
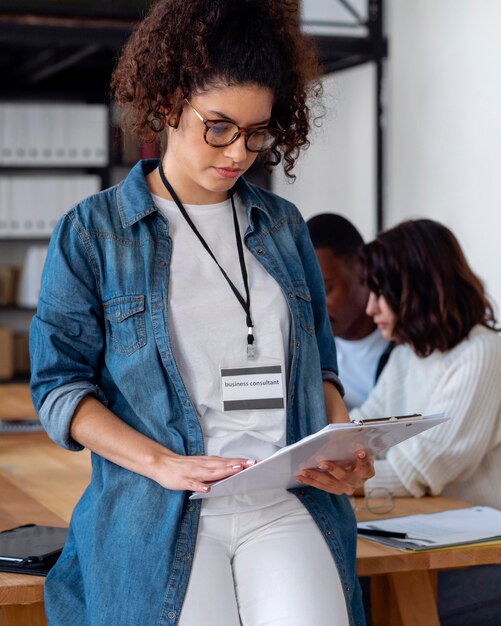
pixel 220 133
pixel 378 500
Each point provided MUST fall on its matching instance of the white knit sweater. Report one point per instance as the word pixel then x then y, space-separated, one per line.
pixel 462 457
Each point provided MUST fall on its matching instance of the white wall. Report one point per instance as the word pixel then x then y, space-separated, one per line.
pixel 444 123
pixel 443 147
pixel 336 174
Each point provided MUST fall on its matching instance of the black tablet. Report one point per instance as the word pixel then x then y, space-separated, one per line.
pixel 31 543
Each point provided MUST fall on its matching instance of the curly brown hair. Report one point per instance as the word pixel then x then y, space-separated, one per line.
pixel 184 46
pixel 422 272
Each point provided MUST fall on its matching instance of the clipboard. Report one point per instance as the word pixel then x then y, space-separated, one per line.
pixel 335 442
pixel 31 549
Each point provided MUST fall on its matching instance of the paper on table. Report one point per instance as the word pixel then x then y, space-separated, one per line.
pixel 335 442
pixel 437 530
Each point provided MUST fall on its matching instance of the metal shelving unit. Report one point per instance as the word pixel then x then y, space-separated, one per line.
pixel 65 49
pixel 354 37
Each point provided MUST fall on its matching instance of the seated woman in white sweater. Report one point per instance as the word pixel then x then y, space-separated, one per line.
pixel 426 298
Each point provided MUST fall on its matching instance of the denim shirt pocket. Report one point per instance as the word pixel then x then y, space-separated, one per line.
pixel 303 303
pixel 125 323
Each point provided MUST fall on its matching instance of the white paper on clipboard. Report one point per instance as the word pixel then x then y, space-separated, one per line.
pixel 335 442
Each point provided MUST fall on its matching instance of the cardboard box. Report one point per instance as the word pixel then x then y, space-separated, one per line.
pixel 9 278
pixel 21 353
pixel 6 353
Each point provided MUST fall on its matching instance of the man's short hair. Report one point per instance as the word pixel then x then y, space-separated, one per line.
pixel 336 233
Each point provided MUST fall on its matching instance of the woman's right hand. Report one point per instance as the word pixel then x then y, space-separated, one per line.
pixel 97 428
pixel 192 473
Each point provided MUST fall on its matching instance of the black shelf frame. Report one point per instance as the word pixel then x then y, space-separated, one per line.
pixel 59 58
pixel 123 9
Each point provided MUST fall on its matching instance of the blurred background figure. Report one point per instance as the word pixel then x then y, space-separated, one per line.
pixel 425 297
pixel 362 351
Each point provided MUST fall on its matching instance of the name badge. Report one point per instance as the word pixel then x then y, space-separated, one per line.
pixel 253 388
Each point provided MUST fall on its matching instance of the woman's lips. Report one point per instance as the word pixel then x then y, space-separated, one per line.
pixel 228 172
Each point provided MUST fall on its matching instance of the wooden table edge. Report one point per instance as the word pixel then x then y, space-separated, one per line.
pixel 392 560
pixel 25 589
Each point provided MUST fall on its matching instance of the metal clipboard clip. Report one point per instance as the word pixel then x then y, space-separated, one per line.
pixel 385 420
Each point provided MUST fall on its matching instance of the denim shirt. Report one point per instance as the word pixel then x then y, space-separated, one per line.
pixel 102 328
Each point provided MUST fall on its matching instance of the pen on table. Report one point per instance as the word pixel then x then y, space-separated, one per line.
pixel 376 532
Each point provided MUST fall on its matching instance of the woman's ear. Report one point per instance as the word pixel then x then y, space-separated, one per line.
pixel 173 120
pixel 162 118
pixel 171 112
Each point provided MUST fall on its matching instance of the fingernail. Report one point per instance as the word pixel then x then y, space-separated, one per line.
pixel 323 466
pixel 207 488
pixel 361 454
pixel 250 462
pixel 236 466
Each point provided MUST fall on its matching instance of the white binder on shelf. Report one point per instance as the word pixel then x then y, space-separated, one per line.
pixel 335 442
pixel 31 204
pixel 53 135
pixel 31 277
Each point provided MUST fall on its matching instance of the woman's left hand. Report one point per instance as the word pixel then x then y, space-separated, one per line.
pixel 339 479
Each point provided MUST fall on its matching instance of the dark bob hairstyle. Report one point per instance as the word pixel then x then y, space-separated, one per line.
pixel 420 269
pixel 187 46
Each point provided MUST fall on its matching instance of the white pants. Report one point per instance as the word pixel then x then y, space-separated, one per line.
pixel 268 567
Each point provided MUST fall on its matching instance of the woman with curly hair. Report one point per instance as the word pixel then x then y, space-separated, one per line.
pixel 182 334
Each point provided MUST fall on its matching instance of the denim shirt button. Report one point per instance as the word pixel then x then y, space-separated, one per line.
pixel 297 344
pixel 328 533
pixel 260 251
pixel 186 557
pixel 171 614
pixel 290 295
pixel 191 509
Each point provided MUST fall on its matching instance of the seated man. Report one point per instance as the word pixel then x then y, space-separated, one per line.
pixel 362 352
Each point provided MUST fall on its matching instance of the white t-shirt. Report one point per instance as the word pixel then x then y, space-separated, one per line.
pixel 357 361
pixel 208 330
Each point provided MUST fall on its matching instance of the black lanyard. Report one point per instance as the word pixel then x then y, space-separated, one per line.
pixel 244 303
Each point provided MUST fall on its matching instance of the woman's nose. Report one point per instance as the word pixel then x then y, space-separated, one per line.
pixel 372 306
pixel 237 151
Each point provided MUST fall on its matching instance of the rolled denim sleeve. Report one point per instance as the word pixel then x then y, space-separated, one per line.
pixel 323 330
pixel 58 408
pixel 66 334
pixel 333 378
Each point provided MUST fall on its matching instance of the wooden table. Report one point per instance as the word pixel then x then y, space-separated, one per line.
pixel 403 584
pixel 41 483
